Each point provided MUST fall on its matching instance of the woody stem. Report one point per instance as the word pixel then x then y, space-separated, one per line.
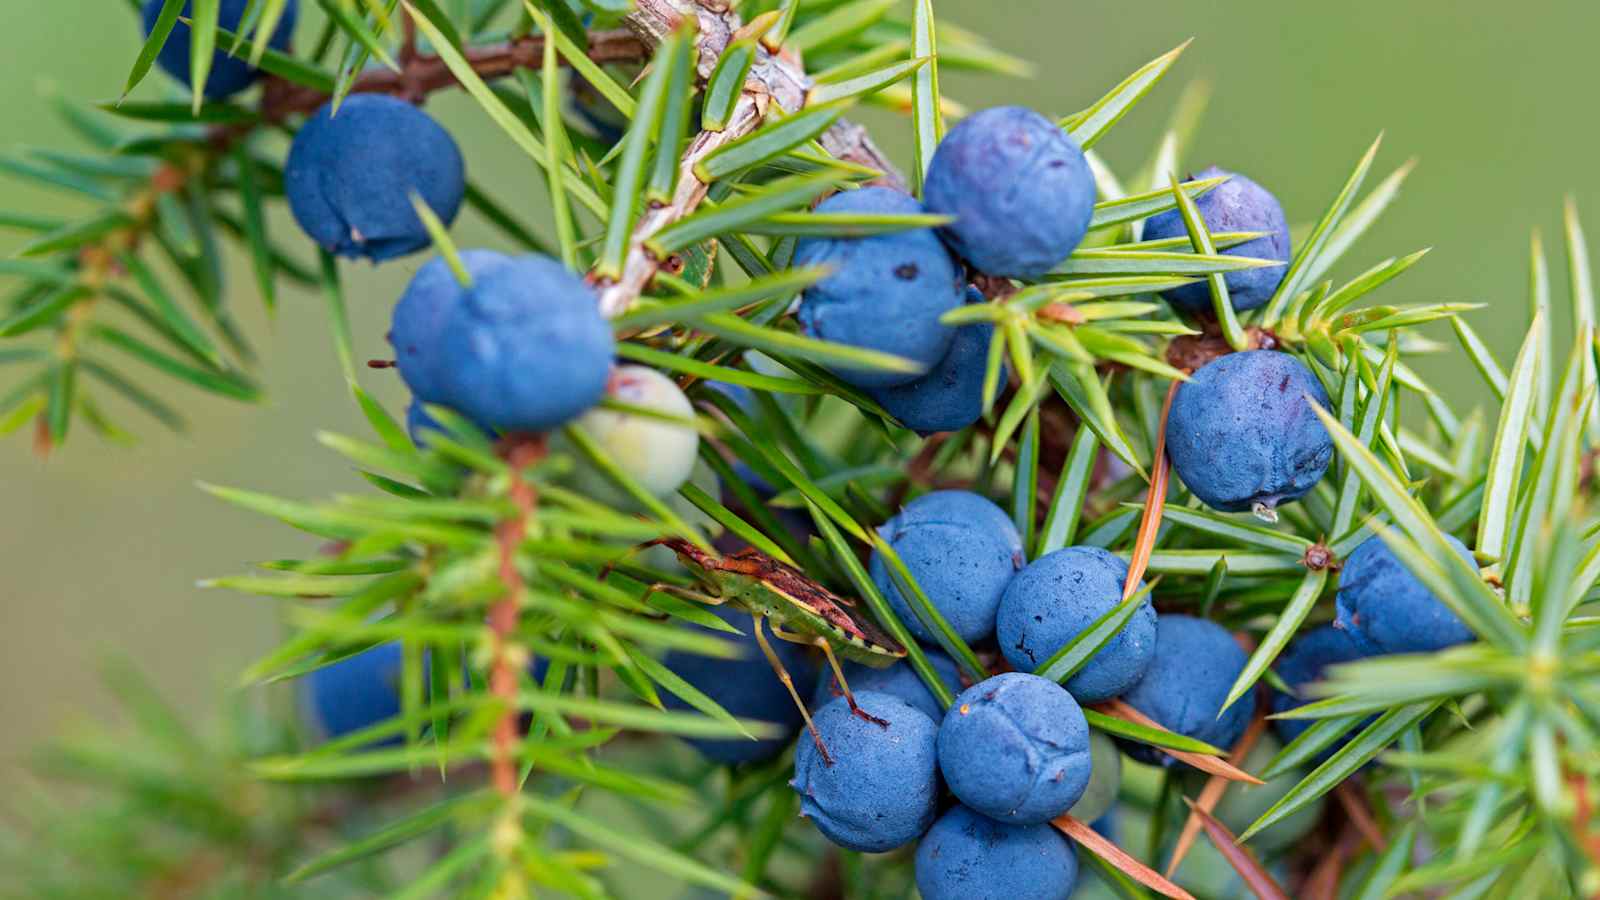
pixel 520 452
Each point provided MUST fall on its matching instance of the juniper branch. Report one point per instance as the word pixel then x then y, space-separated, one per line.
pixel 520 452
pixel 774 79
pixel 422 75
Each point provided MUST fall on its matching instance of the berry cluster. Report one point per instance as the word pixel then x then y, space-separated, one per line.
pixel 1019 193
pixel 978 784
pixel 518 345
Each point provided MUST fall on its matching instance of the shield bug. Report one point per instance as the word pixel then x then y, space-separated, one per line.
pixel 794 606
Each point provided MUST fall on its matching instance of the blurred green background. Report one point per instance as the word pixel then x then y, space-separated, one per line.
pixel 101 546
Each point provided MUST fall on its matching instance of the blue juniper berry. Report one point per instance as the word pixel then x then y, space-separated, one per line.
pixel 967 856
pixel 886 292
pixel 1237 204
pixel 1019 188
pixel 229 74
pixel 352 173
pixel 882 789
pixel 1242 434
pixel 1015 747
pixel 962 550
pixel 1055 599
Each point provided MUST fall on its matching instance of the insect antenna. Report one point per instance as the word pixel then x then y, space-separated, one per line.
pixel 605 571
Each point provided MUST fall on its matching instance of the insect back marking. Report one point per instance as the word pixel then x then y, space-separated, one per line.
pixel 835 613
pixel 760 584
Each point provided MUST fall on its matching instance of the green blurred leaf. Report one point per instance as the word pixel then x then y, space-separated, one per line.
pixel 628 182
pixel 1072 489
pixel 1133 207
pixel 498 111
pixel 207 114
pixel 840 24
pixel 1076 653
pixel 1284 628
pixel 927 117
pixel 165 19
pixel 1221 303
pixel 1144 734
pixel 635 847
pixel 76 234
pixel 1466 594
pixel 1510 441
pixel 276 62
pixel 1296 277
pixel 825 224
pixel 864 84
pixel 202 43
pixel 43 311
pixel 228 384
pixel 360 34
pixel 712 220
pixel 720 300
pixel 1342 764
pixel 827 353
pixel 1081 388
pixel 1090 125
pixel 772 140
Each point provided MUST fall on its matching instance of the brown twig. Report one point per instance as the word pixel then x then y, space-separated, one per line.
pixel 773 80
pixel 1155 501
pixel 1122 709
pixel 1355 807
pixel 1255 876
pixel 993 287
pixel 1211 795
pixel 1190 352
pixel 421 75
pixel 1323 882
pixel 1106 850
pixel 520 451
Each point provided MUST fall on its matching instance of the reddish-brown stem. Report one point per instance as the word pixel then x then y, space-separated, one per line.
pixel 422 75
pixel 1190 352
pixel 1122 709
pixel 993 287
pixel 1062 312
pixel 408 44
pixel 1582 816
pixel 1255 877
pixel 1355 807
pixel 1323 882
pixel 520 452
pixel 1106 850
pixel 1154 503
pixel 1211 794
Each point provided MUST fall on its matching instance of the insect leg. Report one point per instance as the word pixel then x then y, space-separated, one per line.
pixel 682 593
pixel 838 674
pixel 783 676
pixel 799 637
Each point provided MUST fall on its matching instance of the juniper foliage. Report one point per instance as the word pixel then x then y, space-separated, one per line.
pixel 1475 778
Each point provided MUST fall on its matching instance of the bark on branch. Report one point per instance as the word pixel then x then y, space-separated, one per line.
pixel 779 79
pixel 421 75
